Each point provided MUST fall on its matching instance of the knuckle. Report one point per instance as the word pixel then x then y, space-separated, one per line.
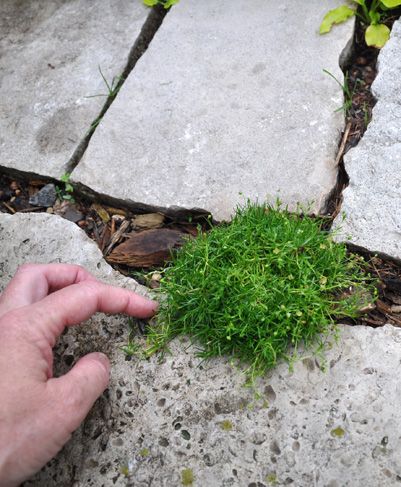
pixel 27 267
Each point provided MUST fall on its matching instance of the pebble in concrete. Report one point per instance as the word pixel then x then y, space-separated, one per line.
pixel 163 417
pixel 372 201
pixel 50 58
pixel 228 102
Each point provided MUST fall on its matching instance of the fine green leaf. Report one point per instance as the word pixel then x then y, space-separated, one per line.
pixel 391 3
pixel 65 177
pixel 336 16
pixel 377 35
pixel 150 3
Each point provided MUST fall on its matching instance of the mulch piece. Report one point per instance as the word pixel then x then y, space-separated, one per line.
pixel 387 308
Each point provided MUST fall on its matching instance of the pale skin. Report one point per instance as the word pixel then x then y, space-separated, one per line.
pixel 38 412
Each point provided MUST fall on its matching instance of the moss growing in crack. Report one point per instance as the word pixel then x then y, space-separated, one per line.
pixel 259 287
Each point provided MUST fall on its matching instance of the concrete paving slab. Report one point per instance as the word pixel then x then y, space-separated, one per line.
pixel 50 53
pixel 372 201
pixel 160 418
pixel 228 99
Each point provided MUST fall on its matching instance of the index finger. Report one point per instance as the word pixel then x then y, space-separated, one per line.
pixel 32 282
pixel 78 302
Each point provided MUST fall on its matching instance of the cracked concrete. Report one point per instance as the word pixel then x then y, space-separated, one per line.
pixel 372 201
pixel 49 66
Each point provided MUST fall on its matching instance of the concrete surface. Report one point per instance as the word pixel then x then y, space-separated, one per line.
pixel 372 201
pixel 225 101
pixel 50 53
pixel 160 417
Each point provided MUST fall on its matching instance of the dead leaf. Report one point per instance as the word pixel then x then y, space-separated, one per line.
pixel 148 248
pixel 105 217
pixel 148 221
pixel 116 211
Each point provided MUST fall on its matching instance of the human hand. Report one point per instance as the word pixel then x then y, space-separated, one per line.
pixel 38 413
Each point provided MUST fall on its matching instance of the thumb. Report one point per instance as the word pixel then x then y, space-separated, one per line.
pixel 80 387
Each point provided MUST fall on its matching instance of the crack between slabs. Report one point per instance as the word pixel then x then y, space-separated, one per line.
pixel 358 79
pixel 149 29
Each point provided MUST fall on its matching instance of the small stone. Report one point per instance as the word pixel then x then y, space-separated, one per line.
pixel 50 210
pixel 44 197
pixel 72 214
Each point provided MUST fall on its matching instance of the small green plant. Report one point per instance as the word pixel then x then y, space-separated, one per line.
pixel 65 192
pixel 372 14
pixel 132 348
pixel 165 3
pixel 259 286
pixel 112 88
pixel 347 92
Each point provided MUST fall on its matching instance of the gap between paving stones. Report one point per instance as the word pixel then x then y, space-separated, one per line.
pixel 348 60
pixel 360 80
pixel 149 29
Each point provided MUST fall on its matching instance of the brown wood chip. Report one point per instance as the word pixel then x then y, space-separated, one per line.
pixel 105 217
pixel 148 248
pixel 148 221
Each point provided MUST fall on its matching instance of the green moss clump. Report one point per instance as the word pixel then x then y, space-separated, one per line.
pixel 260 286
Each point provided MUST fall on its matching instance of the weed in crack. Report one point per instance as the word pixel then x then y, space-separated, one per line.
pixel 257 288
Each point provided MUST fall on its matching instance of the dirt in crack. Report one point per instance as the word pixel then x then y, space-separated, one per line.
pixel 360 70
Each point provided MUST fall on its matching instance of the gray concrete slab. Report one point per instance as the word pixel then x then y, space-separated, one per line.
pixel 50 55
pixel 372 201
pixel 338 428
pixel 228 99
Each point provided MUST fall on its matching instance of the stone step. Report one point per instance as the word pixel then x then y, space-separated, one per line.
pixel 229 102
